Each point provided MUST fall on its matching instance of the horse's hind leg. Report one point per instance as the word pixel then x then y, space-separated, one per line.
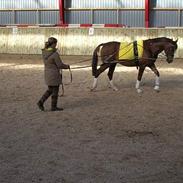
pixel 102 68
pixel 157 81
pixel 110 75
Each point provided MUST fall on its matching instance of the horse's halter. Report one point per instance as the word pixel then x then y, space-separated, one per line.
pixel 169 51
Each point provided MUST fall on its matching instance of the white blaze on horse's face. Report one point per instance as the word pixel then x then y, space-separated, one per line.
pixel 169 51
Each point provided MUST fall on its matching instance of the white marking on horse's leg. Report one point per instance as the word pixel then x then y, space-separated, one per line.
pixel 139 90
pixel 137 86
pixel 113 86
pixel 157 83
pixel 94 86
pixel 156 88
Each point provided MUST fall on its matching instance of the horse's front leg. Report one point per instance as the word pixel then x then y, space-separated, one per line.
pixel 110 76
pixel 157 80
pixel 140 73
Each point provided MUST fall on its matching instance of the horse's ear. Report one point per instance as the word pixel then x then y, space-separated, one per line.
pixel 176 41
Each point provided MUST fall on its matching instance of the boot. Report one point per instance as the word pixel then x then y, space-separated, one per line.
pixel 43 99
pixel 57 109
pixel 40 105
pixel 54 104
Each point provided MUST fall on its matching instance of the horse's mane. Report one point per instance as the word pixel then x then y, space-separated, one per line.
pixel 162 39
pixel 165 39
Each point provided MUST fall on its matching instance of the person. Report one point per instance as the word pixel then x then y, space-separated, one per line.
pixel 52 67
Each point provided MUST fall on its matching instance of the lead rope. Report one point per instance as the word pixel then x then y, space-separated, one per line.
pixel 62 94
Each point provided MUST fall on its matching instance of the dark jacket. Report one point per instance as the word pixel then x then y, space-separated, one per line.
pixel 53 64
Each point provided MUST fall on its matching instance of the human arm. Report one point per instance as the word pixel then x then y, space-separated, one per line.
pixel 59 62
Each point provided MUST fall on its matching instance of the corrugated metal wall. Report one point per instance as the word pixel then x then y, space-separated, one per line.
pixel 167 3
pixel 104 3
pixel 164 18
pixel 13 12
pixel 166 13
pixel 15 4
pixel 93 12
pixel 128 12
pixel 132 18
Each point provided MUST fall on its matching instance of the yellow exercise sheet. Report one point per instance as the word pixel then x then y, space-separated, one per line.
pixel 126 51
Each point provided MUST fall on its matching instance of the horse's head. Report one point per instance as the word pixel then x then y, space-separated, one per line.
pixel 170 49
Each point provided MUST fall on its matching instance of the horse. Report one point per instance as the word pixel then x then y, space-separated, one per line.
pixel 151 48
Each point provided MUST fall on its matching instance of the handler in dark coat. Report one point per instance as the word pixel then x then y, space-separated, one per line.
pixel 52 64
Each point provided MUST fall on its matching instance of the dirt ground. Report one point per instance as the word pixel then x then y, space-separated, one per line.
pixel 100 137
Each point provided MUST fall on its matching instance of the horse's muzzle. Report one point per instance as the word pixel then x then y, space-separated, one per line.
pixel 169 59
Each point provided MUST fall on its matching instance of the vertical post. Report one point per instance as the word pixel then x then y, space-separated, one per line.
pixel 38 17
pixel 179 17
pixel 91 17
pixel 117 12
pixel 14 17
pixel 61 11
pixel 147 13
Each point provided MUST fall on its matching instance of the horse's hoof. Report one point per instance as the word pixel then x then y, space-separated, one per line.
pixel 157 91
pixel 139 91
pixel 92 89
pixel 156 88
pixel 115 89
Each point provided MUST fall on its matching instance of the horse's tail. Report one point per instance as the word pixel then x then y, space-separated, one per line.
pixel 95 59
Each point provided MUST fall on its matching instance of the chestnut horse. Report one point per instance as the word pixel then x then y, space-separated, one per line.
pixel 109 54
